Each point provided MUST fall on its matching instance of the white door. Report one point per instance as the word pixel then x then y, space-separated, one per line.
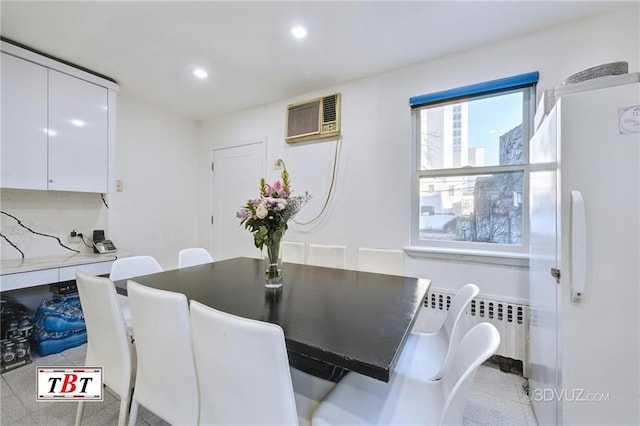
pixel 236 177
pixel 543 288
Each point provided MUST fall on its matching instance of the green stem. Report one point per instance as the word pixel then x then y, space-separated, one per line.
pixel 273 253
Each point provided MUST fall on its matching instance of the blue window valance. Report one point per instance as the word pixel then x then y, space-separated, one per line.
pixel 506 83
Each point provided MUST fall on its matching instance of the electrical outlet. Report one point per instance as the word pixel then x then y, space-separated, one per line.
pixel 119 185
pixel 75 236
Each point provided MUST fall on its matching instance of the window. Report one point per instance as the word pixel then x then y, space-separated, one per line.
pixel 471 168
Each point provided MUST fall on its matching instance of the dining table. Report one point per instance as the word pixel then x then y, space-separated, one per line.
pixel 334 320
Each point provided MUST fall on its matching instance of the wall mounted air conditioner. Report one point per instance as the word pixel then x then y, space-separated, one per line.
pixel 313 119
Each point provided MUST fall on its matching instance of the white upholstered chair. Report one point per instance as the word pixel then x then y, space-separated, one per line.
pixel 166 382
pixel 193 256
pixel 327 255
pixel 109 344
pixel 133 266
pixel 405 400
pixel 428 355
pixel 292 252
pixel 243 370
pixel 381 261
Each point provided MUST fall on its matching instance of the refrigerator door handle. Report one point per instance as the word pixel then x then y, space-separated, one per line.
pixel 578 247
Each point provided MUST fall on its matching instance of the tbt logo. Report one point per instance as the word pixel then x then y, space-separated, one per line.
pixel 61 383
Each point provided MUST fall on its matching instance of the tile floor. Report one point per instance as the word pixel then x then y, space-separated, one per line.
pixel 496 399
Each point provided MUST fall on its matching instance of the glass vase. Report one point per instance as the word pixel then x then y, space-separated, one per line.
pixel 273 265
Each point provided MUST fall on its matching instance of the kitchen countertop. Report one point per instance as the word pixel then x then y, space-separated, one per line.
pixel 15 266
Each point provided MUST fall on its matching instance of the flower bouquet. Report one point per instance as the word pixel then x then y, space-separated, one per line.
pixel 266 218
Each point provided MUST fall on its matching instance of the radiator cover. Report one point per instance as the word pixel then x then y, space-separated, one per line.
pixel 511 319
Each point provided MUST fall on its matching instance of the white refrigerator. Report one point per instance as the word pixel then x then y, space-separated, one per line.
pixel 585 259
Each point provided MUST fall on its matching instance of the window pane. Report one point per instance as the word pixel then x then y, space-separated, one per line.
pixel 475 133
pixel 478 208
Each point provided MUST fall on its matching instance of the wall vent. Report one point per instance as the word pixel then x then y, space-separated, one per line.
pixel 313 119
pixel 511 320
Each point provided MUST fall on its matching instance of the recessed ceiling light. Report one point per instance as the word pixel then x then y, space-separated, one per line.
pixel 200 73
pixel 299 32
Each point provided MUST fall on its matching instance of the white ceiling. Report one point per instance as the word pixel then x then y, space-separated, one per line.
pixel 151 47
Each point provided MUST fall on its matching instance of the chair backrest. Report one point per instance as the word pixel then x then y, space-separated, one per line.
pixel 329 256
pixel 292 252
pixel 458 306
pixel 381 261
pixel 454 328
pixel 480 343
pixel 108 342
pixel 193 256
pixel 133 266
pixel 166 381
pixel 243 370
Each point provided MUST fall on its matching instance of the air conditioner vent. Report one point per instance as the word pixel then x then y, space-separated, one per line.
pixel 329 108
pixel 313 119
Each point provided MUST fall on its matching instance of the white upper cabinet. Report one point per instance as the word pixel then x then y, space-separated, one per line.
pixel 24 124
pixel 78 125
pixel 58 125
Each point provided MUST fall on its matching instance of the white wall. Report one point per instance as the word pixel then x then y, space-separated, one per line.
pixel 371 206
pixel 156 157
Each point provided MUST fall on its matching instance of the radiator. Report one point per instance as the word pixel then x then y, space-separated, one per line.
pixel 511 320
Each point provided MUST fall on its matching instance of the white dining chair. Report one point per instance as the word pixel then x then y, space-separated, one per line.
pixel 243 370
pixel 309 391
pixel 166 382
pixel 133 266
pixel 292 252
pixel 129 267
pixel 406 400
pixel 109 345
pixel 428 355
pixel 381 261
pixel 193 256
pixel 329 256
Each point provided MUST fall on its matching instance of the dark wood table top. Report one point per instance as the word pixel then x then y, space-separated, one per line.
pixel 333 319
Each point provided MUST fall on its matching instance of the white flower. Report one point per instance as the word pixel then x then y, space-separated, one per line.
pixel 261 211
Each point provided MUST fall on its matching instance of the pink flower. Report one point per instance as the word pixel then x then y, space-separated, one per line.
pixel 282 204
pixel 275 190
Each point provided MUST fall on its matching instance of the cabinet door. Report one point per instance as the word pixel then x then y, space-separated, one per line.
pixel 24 124
pixel 78 112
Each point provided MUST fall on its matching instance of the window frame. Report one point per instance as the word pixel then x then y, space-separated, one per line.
pixel 525 83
